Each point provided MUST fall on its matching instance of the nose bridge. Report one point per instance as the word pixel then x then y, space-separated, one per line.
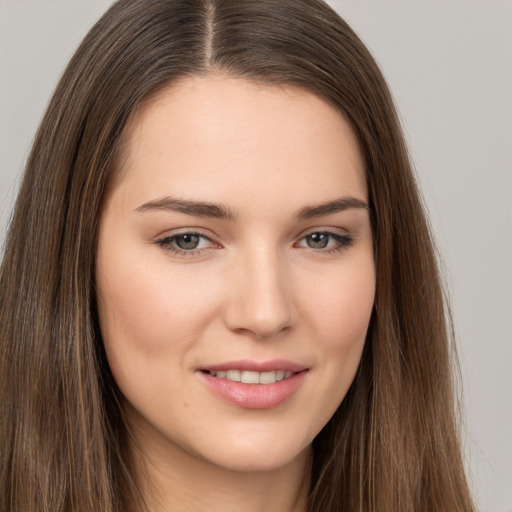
pixel 262 301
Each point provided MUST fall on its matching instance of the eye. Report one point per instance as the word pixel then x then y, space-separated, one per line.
pixel 186 244
pixel 325 241
pixel 191 243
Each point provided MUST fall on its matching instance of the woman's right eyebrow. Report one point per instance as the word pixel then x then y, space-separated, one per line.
pixel 220 211
pixel 195 208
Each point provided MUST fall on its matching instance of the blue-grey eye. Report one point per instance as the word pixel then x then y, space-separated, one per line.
pixel 328 240
pixel 187 241
pixel 318 240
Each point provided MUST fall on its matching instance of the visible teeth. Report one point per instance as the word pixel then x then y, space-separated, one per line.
pixel 233 375
pixel 249 377
pixel 267 377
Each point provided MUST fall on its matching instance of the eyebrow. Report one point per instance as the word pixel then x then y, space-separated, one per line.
pixel 220 211
pixel 195 208
pixel 335 206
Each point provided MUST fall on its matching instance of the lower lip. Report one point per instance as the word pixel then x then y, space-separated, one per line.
pixel 254 396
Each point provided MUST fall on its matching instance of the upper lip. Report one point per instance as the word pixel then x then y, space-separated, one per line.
pixel 256 366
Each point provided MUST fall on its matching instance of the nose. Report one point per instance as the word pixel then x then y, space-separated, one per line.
pixel 261 300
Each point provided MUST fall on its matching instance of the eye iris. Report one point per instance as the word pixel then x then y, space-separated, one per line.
pixel 187 242
pixel 317 240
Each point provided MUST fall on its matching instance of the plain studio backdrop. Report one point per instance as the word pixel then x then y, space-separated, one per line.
pixel 449 66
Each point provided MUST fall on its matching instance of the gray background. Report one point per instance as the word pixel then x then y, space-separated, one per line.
pixel 449 65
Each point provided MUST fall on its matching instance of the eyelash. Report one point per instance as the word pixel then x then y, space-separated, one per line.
pixel 167 243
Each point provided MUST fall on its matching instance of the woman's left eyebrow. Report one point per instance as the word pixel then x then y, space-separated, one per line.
pixel 335 206
pixel 220 211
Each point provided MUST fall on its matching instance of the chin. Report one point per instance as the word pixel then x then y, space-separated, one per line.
pixel 258 460
pixel 253 453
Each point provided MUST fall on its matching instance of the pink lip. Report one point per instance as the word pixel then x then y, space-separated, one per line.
pixel 256 366
pixel 254 396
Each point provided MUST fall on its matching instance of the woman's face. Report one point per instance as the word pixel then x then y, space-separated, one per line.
pixel 235 246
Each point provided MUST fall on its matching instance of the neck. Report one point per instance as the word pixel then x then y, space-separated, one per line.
pixel 175 481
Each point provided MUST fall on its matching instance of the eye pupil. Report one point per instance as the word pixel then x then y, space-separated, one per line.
pixel 317 240
pixel 187 241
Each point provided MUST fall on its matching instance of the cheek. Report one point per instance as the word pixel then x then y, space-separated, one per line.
pixel 148 315
pixel 340 310
pixel 341 303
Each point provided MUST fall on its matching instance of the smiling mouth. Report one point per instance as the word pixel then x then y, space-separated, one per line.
pixel 254 385
pixel 251 377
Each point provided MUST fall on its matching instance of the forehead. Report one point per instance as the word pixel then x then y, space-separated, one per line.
pixel 205 134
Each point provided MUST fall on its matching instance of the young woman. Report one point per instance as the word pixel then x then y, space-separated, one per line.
pixel 219 288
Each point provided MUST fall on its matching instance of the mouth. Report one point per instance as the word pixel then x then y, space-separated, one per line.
pixel 252 377
pixel 254 385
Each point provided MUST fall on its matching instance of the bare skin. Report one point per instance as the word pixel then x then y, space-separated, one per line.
pixel 236 244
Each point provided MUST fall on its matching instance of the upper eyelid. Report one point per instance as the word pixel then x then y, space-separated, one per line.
pixel 187 231
pixel 170 239
pixel 209 234
pixel 327 230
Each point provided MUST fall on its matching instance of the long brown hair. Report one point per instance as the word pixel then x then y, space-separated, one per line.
pixel 393 443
